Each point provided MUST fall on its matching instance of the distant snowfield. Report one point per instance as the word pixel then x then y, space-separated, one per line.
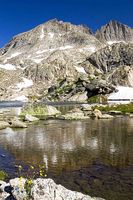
pixel 42 34
pixel 55 49
pixel 124 95
pixel 113 42
pixel 25 84
pixel 20 98
pixel 12 56
pixel 91 49
pixel 8 66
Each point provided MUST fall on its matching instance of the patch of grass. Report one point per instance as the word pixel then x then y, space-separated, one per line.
pixel 124 108
pixel 97 99
pixel 94 99
pixel 3 175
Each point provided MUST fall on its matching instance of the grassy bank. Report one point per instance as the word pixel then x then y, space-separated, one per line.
pixel 124 108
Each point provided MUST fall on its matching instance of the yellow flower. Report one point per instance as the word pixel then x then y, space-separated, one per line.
pixel 32 167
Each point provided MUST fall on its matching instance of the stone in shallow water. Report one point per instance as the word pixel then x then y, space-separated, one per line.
pixel 96 113
pixel 115 112
pixel 75 113
pixel 30 118
pixel 16 123
pixel 106 116
pixel 4 125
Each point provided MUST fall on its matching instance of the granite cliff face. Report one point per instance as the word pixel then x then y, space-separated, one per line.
pixel 114 32
pixel 40 60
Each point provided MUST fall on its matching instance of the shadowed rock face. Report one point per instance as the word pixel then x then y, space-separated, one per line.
pixel 112 57
pixel 114 32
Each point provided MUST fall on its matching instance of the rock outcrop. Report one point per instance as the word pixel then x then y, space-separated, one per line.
pixel 112 57
pixel 41 189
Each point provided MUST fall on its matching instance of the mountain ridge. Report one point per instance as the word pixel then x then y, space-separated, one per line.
pixel 55 51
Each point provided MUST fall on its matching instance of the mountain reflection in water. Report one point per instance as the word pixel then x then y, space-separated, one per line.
pixel 67 146
pixel 72 144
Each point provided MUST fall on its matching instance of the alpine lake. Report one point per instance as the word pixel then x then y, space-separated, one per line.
pixel 92 156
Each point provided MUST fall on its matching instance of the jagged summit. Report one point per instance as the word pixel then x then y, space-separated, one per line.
pixel 115 31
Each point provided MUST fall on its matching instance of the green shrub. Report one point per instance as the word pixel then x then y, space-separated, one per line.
pixel 3 175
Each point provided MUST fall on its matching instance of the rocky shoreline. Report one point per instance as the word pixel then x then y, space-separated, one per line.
pixel 39 189
pixel 35 112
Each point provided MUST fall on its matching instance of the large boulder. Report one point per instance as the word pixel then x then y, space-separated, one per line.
pixel 96 113
pixel 19 192
pixel 40 189
pixel 51 111
pixel 47 189
pixel 39 111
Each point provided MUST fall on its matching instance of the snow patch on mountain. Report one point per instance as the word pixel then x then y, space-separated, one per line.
pixel 42 34
pixel 8 66
pixel 65 47
pixel 20 98
pixel 113 42
pixel 25 84
pixel 80 69
pixel 38 60
pixel 123 95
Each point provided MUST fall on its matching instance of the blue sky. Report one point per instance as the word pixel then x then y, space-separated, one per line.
pixel 17 16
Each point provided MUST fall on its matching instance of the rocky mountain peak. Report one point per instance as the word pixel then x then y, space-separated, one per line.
pixel 35 60
pixel 114 32
pixel 52 35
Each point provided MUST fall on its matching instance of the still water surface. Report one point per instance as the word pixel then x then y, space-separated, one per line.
pixel 91 156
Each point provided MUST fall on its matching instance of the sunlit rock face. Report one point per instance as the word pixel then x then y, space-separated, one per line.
pixel 48 53
pixel 115 32
pixel 41 189
pixel 116 62
pixel 35 60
